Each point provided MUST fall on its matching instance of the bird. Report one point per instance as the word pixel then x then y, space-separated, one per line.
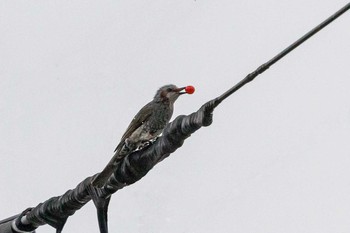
pixel 146 126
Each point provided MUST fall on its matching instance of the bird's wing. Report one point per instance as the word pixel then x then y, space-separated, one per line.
pixel 136 122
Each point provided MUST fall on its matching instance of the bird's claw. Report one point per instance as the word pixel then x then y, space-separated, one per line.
pixel 146 144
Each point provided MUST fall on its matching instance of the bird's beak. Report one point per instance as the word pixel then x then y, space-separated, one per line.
pixel 180 89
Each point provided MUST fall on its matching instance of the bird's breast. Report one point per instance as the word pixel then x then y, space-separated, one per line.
pixel 159 118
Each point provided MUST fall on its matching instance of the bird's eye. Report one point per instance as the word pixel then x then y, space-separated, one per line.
pixel 169 89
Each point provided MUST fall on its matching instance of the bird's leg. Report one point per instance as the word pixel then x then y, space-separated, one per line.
pixel 146 143
pixel 143 144
pixel 128 147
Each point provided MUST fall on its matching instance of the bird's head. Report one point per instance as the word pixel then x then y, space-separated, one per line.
pixel 169 93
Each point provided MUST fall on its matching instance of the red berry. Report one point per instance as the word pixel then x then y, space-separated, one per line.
pixel 189 89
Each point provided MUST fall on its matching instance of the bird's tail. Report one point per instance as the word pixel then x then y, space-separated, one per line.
pixel 101 179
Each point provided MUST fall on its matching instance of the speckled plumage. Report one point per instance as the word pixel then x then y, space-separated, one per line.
pixel 147 124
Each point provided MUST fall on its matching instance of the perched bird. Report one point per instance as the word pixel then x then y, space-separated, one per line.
pixel 148 124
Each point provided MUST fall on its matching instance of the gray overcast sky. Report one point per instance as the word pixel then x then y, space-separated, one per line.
pixel 276 158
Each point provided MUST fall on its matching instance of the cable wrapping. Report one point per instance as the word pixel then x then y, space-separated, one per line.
pixel 136 165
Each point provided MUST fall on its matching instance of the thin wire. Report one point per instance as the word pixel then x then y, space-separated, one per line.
pixel 250 77
pixel 9 219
